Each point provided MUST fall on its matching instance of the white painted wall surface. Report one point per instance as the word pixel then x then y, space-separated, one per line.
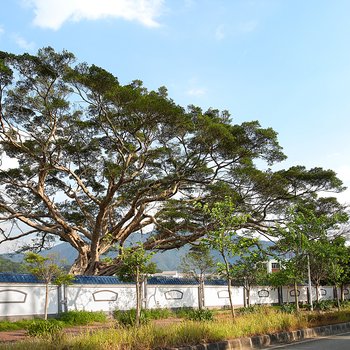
pixel 171 296
pixel 263 295
pixel 324 293
pixel 100 297
pixel 21 300
pixel 288 294
pixel 217 296
pixel 26 299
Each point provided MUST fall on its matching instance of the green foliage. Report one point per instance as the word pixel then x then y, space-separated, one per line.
pixel 183 312
pixel 122 157
pixel 135 266
pixel 222 236
pixel 200 315
pixel 250 269
pixel 288 308
pixel 265 320
pixel 44 328
pixel 12 326
pixel 198 263
pixel 304 237
pixel 324 305
pixel 128 318
pixel 135 263
pixel 156 314
pixel 46 269
pixel 70 318
pixel 6 265
pixel 248 309
pixel 76 318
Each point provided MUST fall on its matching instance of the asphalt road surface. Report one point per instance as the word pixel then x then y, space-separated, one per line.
pixel 333 342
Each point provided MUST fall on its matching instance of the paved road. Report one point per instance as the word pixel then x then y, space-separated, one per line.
pixel 333 342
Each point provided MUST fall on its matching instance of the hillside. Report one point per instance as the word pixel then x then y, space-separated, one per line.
pixel 165 261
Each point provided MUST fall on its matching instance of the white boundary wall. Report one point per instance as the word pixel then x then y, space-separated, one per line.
pixel 21 300
pixel 217 296
pixel 100 297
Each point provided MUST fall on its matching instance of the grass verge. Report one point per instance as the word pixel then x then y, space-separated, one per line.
pixel 67 319
pixel 263 320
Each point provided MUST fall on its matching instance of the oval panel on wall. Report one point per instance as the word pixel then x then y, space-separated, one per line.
pixel 263 293
pixel 12 296
pixel 223 294
pixel 105 295
pixel 292 293
pixel 173 294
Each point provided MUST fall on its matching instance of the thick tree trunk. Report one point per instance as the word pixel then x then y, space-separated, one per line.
pixel 85 265
pixel 80 265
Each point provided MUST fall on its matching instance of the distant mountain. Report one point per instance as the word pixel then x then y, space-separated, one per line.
pixel 166 261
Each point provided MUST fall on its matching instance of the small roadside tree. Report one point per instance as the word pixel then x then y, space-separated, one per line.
pixel 48 271
pixel 199 264
pixel 250 270
pixel 338 266
pixel 222 236
pixel 305 233
pixel 135 266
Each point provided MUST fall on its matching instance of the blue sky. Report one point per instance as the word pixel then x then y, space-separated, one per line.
pixel 285 63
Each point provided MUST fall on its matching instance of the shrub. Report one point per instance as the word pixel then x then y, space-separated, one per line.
pixel 249 309
pixel 200 315
pixel 345 304
pixel 82 317
pixel 128 318
pixel 324 305
pixel 44 328
pixel 156 314
pixel 288 308
pixel 183 312
pixel 12 326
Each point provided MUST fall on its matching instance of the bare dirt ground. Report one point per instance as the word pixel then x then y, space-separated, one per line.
pixel 11 336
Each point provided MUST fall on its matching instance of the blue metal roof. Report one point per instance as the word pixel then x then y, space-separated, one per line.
pixel 97 280
pixel 183 281
pixel 171 280
pixel 18 278
pixel 28 278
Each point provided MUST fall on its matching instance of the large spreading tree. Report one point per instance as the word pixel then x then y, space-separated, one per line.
pixel 98 161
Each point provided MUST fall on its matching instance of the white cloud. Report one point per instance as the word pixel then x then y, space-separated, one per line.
pixel 248 26
pixel 196 91
pixel 23 43
pixel 2 30
pixel 52 14
pixel 220 32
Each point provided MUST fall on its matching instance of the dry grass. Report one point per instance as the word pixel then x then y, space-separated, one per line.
pixel 151 336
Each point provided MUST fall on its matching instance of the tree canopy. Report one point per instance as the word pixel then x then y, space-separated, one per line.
pixel 98 161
